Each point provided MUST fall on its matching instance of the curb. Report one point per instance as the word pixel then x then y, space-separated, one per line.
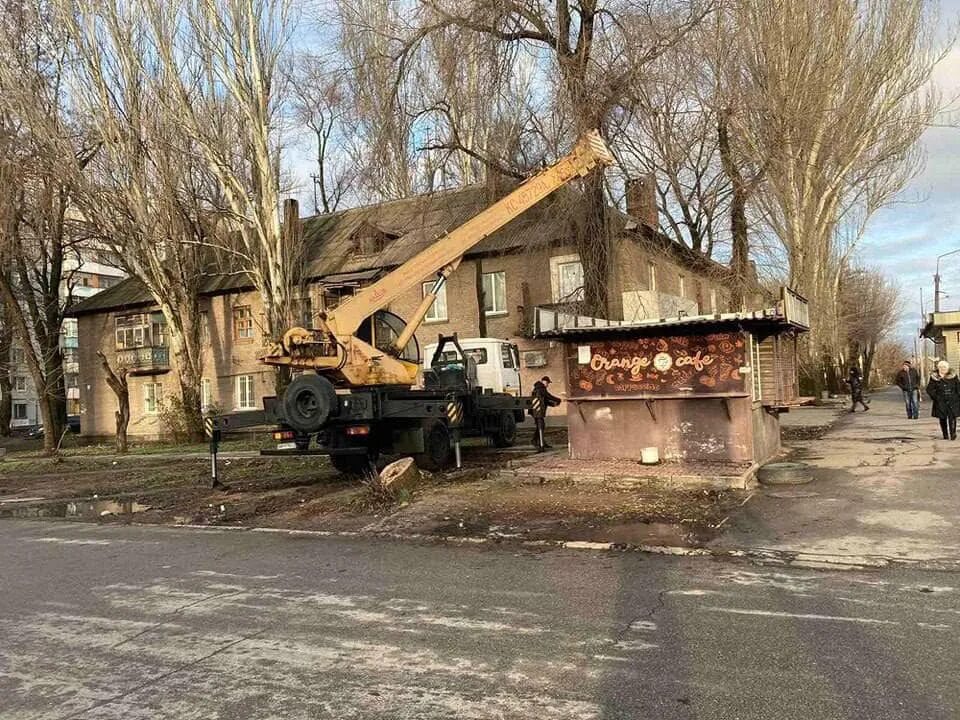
pixel 758 556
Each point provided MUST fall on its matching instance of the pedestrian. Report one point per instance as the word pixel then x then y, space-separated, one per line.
pixel 908 380
pixel 944 390
pixel 856 389
pixel 540 400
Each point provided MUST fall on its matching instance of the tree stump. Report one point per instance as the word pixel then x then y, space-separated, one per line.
pixel 402 474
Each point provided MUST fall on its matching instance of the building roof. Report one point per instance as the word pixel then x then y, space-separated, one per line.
pixel 409 225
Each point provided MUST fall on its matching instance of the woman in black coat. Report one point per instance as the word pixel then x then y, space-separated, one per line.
pixel 944 389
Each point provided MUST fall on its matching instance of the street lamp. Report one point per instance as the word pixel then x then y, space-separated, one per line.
pixel 936 280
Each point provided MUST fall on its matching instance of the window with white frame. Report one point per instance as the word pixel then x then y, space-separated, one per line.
pixel 682 286
pixel 19 411
pixel 141 330
pixel 652 279
pixel 713 301
pixel 244 393
pixel 242 323
pixel 206 393
pixel 18 356
pixel 437 311
pixel 566 278
pixel 495 293
pixel 20 383
pixel 152 398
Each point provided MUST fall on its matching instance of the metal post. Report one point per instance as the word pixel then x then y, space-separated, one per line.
pixel 456 447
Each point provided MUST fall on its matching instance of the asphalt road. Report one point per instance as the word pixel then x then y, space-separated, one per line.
pixel 136 622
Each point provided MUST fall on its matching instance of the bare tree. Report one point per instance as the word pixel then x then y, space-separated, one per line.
pixel 222 61
pixel 117 380
pixel 37 146
pixel 6 367
pixel 589 55
pixel 146 195
pixel 321 103
pixel 835 97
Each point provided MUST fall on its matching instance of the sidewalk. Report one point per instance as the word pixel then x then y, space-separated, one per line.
pixel 884 487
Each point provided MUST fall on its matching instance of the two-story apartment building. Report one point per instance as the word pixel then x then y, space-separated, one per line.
pixel 531 261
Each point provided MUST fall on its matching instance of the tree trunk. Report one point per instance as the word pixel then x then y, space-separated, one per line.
pixel 118 383
pixel 481 300
pixel 54 392
pixel 593 246
pixel 6 365
pixel 740 249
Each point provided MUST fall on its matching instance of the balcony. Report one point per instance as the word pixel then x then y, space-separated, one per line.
pixel 145 360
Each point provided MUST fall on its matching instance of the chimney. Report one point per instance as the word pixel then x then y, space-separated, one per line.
pixel 642 200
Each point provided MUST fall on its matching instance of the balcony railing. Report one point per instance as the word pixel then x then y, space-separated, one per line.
pixel 145 360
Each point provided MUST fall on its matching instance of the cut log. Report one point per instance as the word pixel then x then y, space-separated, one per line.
pixel 402 474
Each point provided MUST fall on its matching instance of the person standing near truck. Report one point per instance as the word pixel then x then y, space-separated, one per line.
pixel 540 400
pixel 908 380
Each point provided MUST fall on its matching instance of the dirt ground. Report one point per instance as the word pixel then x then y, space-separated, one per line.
pixel 306 493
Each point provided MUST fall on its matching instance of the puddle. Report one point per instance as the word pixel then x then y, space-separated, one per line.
pixel 83 510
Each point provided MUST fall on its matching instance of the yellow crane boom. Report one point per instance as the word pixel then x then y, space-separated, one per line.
pixel 333 348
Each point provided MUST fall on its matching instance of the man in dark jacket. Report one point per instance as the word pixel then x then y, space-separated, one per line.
pixel 908 380
pixel 944 390
pixel 540 400
pixel 856 389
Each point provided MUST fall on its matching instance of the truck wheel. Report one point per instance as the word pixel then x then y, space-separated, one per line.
pixel 353 465
pixel 436 448
pixel 308 403
pixel 506 434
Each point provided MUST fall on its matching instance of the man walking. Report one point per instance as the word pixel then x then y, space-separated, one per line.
pixel 908 380
pixel 944 390
pixel 856 389
pixel 540 400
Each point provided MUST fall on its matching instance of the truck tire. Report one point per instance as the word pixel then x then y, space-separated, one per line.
pixel 308 402
pixel 506 434
pixel 353 465
pixel 436 447
pixel 784 473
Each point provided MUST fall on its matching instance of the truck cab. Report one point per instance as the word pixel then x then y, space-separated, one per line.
pixel 497 363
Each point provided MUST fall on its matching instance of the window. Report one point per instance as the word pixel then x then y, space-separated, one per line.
pixel 495 293
pixel 20 383
pixel 141 330
pixel 566 278
pixel 242 323
pixel 437 311
pixel 506 355
pixel 478 355
pixel 682 285
pixel 713 301
pixel 206 393
pixel 152 398
pixel 19 411
pixel 570 281
pixel 652 270
pixel 244 393
pixel 18 356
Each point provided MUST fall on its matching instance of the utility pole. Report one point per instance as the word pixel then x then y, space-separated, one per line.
pixel 316 199
pixel 936 280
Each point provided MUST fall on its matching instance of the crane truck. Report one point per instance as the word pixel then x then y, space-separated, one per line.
pixel 360 390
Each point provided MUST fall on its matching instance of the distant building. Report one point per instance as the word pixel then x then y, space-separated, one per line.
pixel 943 328
pixel 87 276
pixel 532 261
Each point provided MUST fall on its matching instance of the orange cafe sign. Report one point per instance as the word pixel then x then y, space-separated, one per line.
pixel 699 365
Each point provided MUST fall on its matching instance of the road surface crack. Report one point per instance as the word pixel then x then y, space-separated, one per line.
pixel 164 676
pixel 173 612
